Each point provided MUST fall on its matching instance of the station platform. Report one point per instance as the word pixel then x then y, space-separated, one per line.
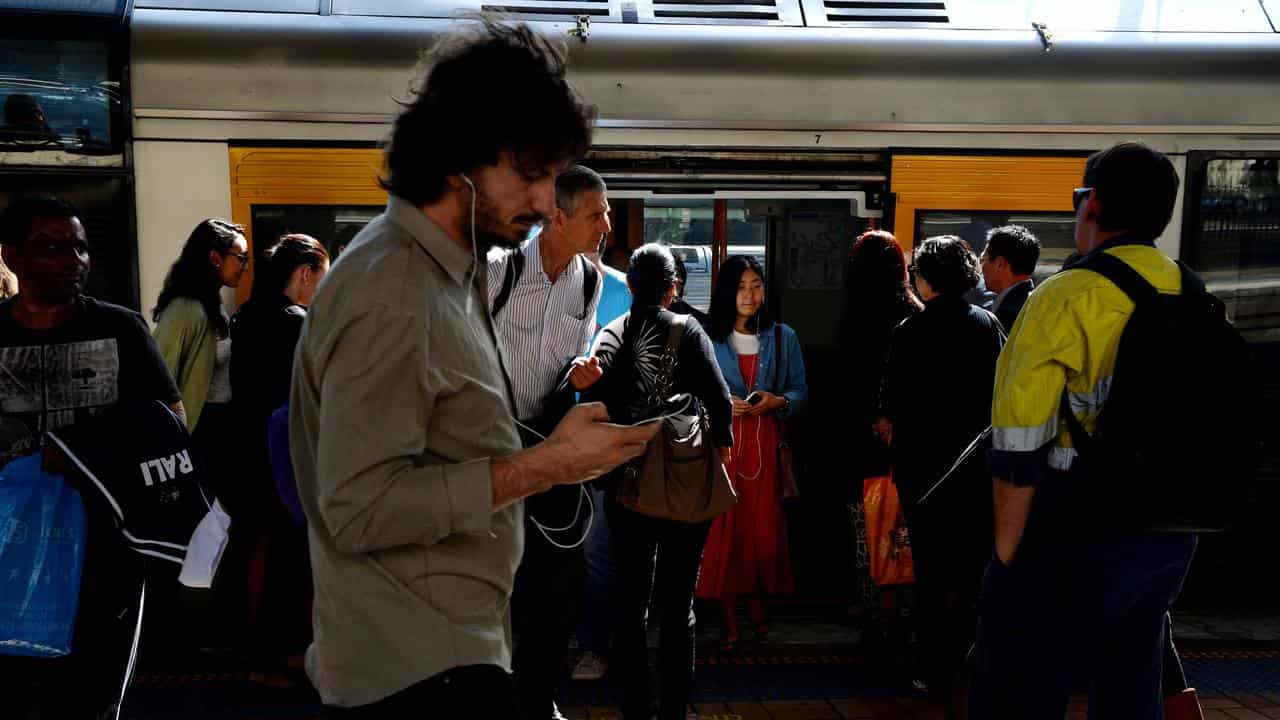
pixel 810 668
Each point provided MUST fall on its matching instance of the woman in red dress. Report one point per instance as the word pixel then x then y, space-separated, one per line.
pixel 746 553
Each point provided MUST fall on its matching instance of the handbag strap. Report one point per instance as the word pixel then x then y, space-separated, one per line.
pixel 670 355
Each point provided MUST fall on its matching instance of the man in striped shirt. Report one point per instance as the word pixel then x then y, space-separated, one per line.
pixel 543 297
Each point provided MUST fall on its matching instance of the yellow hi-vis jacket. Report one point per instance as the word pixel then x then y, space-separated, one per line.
pixel 1067 334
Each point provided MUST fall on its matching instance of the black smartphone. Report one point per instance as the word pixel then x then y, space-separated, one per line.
pixel 755 398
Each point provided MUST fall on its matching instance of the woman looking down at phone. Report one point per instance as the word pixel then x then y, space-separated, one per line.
pixel 747 550
pixel 630 352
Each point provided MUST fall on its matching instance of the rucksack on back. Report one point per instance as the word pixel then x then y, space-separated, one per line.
pixel 1175 446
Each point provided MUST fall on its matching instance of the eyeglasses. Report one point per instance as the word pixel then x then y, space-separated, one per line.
pixel 1079 195
pixel 242 257
pixel 912 268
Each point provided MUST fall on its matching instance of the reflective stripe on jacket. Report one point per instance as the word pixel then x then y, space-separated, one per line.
pixel 1068 332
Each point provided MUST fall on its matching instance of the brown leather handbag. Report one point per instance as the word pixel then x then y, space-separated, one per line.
pixel 677 478
pixel 788 488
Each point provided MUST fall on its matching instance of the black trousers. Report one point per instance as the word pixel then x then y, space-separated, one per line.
pixel 949 550
pixel 473 691
pixel 653 553
pixel 544 611
pixel 1098 606
pixel 89 681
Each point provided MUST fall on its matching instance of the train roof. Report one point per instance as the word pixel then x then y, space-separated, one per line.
pixel 1108 65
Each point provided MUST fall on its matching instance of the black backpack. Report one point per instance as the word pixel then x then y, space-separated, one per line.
pixel 1176 444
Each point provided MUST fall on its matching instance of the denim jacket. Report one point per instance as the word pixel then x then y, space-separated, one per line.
pixel 790 381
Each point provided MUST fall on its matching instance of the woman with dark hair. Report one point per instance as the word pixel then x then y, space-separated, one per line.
pixel 747 552
pixel 630 350
pixel 264 333
pixel 193 334
pixel 191 326
pixel 936 400
pixel 878 299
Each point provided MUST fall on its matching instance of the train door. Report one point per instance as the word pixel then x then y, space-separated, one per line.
pixel 328 193
pixel 1230 233
pixel 969 195
pixel 802 238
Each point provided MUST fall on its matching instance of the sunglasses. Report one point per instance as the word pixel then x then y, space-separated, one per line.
pixel 1078 196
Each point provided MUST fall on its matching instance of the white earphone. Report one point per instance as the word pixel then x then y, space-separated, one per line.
pixel 545 530
pixel 475 249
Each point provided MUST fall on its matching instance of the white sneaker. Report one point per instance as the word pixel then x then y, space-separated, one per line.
pixel 590 667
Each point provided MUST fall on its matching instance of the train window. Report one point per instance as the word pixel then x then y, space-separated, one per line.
pixel 1055 230
pixel 333 225
pixel 686 226
pixel 281 6
pixel 1233 238
pixel 58 95
pixel 105 202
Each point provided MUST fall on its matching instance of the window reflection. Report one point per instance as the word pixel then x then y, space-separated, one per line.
pixel 333 225
pixel 1236 243
pixel 57 94
pixel 687 226
pixel 1055 230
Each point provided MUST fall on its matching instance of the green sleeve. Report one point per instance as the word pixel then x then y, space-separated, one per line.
pixel 189 348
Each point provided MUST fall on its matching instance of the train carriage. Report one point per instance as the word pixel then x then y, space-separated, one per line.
pixel 784 127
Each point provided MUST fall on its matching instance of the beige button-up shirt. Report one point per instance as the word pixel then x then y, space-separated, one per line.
pixel 398 404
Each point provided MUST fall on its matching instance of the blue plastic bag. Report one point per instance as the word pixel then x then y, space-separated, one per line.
pixel 42 536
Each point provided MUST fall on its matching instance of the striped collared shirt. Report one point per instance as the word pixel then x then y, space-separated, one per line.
pixel 542 326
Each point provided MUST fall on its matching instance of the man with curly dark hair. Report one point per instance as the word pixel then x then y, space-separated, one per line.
pixel 403 438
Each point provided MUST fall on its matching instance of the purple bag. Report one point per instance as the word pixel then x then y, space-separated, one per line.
pixel 282 464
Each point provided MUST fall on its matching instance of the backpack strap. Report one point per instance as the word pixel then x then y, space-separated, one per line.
pixel 590 279
pixel 515 268
pixel 1129 281
pixel 1191 282
pixel 1141 292
pixel 1081 440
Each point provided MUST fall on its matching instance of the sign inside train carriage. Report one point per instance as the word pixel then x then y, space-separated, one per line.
pixel 816 249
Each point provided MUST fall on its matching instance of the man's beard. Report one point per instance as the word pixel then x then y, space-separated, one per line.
pixel 489 228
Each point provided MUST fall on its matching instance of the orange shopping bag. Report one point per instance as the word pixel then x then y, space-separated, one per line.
pixel 887 536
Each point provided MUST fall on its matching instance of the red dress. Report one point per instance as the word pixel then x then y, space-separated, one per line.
pixel 746 551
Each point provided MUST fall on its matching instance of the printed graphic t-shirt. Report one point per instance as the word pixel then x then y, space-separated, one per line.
pixel 54 378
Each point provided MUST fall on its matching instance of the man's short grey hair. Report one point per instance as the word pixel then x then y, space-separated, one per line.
pixel 572 183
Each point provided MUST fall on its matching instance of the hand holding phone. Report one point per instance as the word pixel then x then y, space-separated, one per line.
pixel 755 398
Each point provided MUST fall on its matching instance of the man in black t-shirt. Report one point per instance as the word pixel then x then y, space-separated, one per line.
pixel 65 357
